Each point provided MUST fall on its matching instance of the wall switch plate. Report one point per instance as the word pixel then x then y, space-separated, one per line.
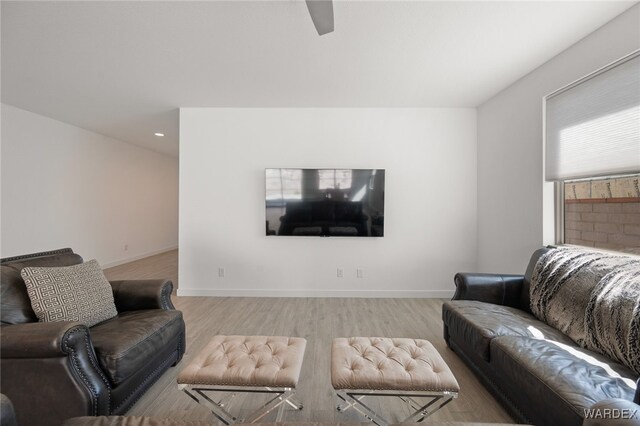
pixel 126 247
pixel 359 273
pixel 339 272
pixel 221 272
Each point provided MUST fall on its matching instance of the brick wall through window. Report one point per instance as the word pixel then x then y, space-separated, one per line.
pixel 603 213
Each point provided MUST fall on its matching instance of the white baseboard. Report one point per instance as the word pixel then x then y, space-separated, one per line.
pixel 138 257
pixel 388 294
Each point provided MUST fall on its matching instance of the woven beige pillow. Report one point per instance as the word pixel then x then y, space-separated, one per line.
pixel 70 293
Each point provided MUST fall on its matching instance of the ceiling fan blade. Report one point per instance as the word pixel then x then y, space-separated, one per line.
pixel 321 12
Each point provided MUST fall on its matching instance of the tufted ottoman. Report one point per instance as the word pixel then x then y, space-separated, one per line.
pixel 252 364
pixel 403 368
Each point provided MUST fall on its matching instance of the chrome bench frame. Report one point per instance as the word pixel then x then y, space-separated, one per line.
pixel 353 398
pixel 219 408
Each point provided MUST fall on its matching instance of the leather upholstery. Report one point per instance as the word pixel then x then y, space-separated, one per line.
pixel 247 361
pixel 574 378
pixel 125 343
pixel 614 404
pixel 15 305
pixel 499 289
pixel 37 339
pixel 389 364
pixel 51 371
pixel 133 295
pixel 45 389
pixel 7 413
pixel 525 303
pixel 537 373
pixel 490 288
pixel 126 393
pixel 475 324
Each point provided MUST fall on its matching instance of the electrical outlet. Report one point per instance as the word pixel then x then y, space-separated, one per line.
pixel 359 273
pixel 126 247
pixel 221 272
pixel 339 272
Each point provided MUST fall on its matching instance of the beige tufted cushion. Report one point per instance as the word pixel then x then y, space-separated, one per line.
pixel 247 361
pixel 389 364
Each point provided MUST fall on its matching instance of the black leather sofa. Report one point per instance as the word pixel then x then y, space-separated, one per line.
pixel 546 380
pixel 324 218
pixel 56 370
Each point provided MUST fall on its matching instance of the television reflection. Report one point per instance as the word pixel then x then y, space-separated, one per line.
pixel 325 202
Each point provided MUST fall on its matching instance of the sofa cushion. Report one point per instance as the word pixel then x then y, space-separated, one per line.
pixel 474 324
pixel 566 379
pixel 70 293
pixel 124 344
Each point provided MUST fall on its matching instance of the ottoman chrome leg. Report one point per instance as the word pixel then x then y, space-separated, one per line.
pixel 215 406
pixel 277 401
pixel 354 399
pixel 358 405
pixel 292 401
pixel 424 411
pixel 281 397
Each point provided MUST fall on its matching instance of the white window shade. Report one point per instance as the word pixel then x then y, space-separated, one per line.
pixel 592 127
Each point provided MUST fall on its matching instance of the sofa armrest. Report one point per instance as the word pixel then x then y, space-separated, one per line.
pixel 612 412
pixel 40 339
pixel 499 289
pixel 53 362
pixel 133 295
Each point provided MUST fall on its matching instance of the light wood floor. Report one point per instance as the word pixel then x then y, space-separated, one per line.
pixel 319 320
pixel 163 265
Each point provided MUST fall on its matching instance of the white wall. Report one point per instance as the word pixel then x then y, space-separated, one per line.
pixel 63 186
pixel 515 206
pixel 430 201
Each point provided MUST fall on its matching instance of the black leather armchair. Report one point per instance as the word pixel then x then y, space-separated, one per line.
pixel 56 370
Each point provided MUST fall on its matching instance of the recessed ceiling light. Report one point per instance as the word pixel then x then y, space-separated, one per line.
pixel 159 134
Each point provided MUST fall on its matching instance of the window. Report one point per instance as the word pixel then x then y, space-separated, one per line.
pixel 592 152
pixel 603 213
pixel 283 184
pixel 335 179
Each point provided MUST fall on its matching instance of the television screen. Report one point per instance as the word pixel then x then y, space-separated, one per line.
pixel 325 202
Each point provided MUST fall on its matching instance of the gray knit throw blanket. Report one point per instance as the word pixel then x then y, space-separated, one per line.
pixel 592 297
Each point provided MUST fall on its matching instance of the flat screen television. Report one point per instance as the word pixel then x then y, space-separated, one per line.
pixel 324 202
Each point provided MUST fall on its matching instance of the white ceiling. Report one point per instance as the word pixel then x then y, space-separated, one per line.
pixel 123 68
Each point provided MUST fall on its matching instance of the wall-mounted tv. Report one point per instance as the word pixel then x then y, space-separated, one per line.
pixel 324 202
